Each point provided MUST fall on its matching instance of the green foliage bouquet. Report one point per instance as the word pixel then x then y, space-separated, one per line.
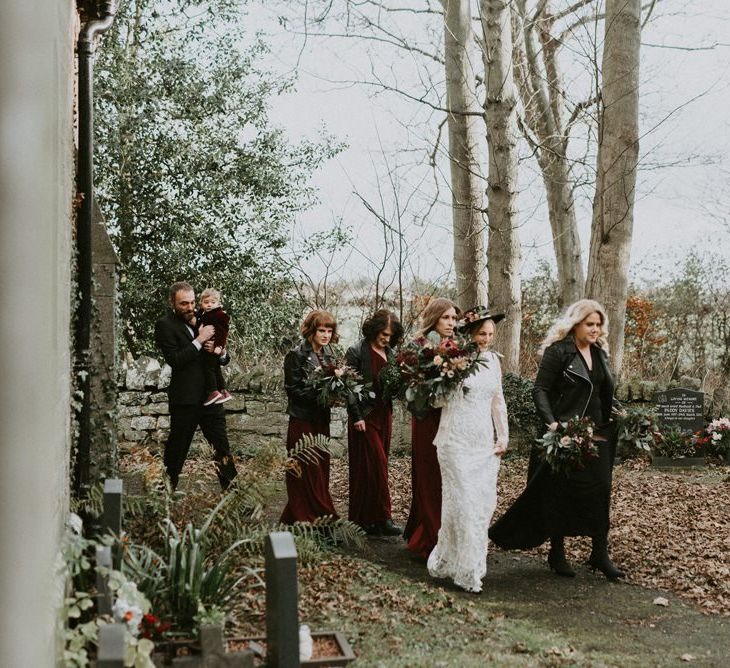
pixel 336 384
pixel 638 431
pixel 676 443
pixel 430 370
pixel 570 446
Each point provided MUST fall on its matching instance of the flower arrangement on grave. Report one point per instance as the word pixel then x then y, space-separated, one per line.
pixel 715 437
pixel 337 384
pixel 80 616
pixel 677 443
pixel 427 370
pixel 570 446
pixel 638 430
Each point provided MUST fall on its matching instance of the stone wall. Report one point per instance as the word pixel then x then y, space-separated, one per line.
pixel 257 411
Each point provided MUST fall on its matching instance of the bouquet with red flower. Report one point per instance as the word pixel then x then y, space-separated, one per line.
pixel 153 628
pixel 337 384
pixel 715 437
pixel 426 371
pixel 570 446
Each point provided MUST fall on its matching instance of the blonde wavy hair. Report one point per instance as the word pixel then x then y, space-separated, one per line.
pixel 433 312
pixel 575 314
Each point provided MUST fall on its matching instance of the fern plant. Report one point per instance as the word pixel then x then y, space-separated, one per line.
pixel 310 449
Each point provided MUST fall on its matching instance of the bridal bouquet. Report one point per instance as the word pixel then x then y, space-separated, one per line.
pixel 336 384
pixel 427 370
pixel 570 446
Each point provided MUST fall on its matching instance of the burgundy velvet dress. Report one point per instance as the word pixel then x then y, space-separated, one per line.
pixel 424 519
pixel 308 495
pixel 368 456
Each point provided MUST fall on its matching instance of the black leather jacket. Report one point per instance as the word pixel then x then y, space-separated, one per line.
pixel 359 358
pixel 302 402
pixel 562 387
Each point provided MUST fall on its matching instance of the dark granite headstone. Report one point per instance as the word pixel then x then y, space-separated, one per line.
pixel 680 408
pixel 111 518
pixel 282 616
pixel 112 513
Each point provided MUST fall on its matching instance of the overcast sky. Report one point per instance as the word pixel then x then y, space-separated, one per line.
pixel 685 112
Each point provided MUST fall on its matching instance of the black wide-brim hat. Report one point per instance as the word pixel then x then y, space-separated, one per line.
pixel 477 314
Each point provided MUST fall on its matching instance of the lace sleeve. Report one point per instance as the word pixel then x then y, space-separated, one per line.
pixel 499 410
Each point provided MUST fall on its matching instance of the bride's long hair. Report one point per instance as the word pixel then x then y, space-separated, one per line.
pixel 577 313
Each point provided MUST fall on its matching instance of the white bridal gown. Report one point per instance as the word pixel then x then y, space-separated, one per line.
pixel 469 467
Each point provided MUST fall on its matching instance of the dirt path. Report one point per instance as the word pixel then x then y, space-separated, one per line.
pixel 529 616
pixel 533 617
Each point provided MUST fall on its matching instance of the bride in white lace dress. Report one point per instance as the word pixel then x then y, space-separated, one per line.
pixel 469 459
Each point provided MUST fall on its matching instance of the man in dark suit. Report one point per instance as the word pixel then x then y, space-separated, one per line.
pixel 181 348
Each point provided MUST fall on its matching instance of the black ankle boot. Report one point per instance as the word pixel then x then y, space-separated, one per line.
pixel 600 561
pixel 557 560
pixel 388 528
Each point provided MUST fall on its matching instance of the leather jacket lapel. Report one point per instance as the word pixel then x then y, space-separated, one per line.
pixel 575 365
pixel 366 361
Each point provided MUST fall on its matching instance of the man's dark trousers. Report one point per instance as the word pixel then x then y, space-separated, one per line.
pixel 184 420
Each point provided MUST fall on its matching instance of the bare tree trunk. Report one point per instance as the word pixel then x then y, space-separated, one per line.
pixel 618 153
pixel 467 182
pixel 540 88
pixel 503 250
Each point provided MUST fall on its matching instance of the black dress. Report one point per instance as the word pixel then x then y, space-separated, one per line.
pixel 574 504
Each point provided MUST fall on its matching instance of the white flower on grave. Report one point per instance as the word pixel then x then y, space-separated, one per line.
pixel 128 614
pixel 130 604
pixel 75 523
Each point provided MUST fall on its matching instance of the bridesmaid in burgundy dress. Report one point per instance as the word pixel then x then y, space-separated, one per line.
pixel 438 319
pixel 308 495
pixel 369 427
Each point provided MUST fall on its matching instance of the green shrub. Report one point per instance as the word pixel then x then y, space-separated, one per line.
pixel 520 411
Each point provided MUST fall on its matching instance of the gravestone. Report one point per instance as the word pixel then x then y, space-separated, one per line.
pixel 103 594
pixel 112 646
pixel 282 617
pixel 681 408
pixel 111 517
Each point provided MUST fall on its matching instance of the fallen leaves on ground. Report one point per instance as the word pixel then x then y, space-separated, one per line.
pixel 669 530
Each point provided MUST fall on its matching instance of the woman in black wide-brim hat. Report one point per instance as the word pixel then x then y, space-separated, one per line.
pixel 573 379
